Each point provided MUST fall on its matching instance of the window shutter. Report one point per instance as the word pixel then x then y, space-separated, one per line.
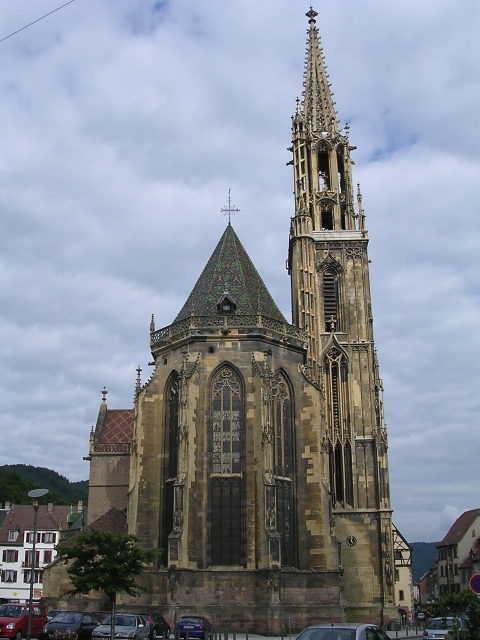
pixel 16 555
pixel 14 576
pixel 43 537
pixel 54 538
pixel 4 555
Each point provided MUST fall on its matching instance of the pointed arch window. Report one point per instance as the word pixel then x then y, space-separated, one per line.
pixel 330 299
pixel 338 426
pixel 171 459
pixel 227 529
pixel 282 424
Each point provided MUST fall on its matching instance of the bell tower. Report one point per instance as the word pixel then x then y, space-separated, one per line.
pixel 329 268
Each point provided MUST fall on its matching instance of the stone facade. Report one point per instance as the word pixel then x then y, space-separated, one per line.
pixel 257 457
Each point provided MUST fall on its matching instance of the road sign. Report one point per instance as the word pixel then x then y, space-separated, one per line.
pixel 475 583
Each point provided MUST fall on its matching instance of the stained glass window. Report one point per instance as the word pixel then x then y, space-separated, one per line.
pixel 226 436
pixel 283 465
pixel 227 531
pixel 171 461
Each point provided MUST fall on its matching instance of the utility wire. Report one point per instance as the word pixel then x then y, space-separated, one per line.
pixel 37 20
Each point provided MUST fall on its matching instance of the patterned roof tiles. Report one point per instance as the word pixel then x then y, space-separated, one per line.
pixel 230 269
pixel 117 426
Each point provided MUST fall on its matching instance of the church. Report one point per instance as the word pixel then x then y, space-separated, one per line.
pixel 255 455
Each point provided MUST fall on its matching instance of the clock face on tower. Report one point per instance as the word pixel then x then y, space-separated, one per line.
pixel 351 541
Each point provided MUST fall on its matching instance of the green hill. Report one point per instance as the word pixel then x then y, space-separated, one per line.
pixel 424 554
pixel 16 480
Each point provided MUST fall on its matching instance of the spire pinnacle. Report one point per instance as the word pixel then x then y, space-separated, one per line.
pixel 318 105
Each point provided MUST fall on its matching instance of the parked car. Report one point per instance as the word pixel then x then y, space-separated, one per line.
pixel 127 625
pixel 14 620
pixel 343 631
pixel 443 627
pixel 71 621
pixel 195 626
pixel 101 615
pixel 53 612
pixel 159 627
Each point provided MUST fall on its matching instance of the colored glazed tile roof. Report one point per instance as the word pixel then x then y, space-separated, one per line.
pixel 230 270
pixel 117 426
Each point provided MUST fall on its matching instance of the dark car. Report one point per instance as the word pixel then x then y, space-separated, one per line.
pixel 159 627
pixel 53 612
pixel 127 625
pixel 71 621
pixel 195 626
pixel 343 631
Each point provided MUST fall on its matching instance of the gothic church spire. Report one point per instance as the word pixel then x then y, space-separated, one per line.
pixel 318 106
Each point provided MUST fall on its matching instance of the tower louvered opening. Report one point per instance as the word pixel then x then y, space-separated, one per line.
pixel 330 299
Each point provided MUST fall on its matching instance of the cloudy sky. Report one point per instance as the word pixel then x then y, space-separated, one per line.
pixel 123 125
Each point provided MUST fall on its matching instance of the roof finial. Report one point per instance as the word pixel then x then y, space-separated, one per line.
pixel 152 324
pixel 230 209
pixel 104 395
pixel 311 15
pixel 138 384
pixel 361 213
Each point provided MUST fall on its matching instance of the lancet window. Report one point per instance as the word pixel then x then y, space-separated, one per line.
pixel 227 530
pixel 283 466
pixel 338 426
pixel 330 299
pixel 172 411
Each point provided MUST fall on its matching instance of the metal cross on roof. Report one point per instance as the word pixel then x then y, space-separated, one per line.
pixel 229 209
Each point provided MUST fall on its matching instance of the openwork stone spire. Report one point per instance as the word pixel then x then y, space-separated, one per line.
pixel 318 106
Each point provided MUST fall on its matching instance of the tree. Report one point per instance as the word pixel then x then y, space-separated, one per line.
pixel 105 561
pixel 463 604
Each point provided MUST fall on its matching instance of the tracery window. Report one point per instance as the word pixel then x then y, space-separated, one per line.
pixel 227 529
pixel 338 426
pixel 283 466
pixel 171 460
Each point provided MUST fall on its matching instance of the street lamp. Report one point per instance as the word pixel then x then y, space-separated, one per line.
pixel 34 493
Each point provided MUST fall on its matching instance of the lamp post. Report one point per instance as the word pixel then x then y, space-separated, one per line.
pixel 34 493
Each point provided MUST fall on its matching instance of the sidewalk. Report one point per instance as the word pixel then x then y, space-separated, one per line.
pixel 401 633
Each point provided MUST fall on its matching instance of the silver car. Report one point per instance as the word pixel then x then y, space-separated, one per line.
pixel 443 627
pixel 127 625
pixel 343 631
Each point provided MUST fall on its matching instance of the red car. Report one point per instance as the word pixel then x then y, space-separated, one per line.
pixel 14 620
